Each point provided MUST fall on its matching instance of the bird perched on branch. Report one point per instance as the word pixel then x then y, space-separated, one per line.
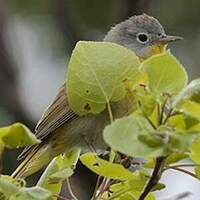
pixel 60 129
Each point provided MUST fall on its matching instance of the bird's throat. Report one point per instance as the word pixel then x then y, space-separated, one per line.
pixel 157 49
pixel 154 50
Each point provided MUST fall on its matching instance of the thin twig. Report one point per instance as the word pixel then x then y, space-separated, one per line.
pixel 107 185
pixel 102 187
pixel 159 113
pixel 174 113
pixel 183 171
pixel 152 124
pixel 96 188
pixel 163 110
pixel 110 112
pixel 168 116
pixel 185 165
pixel 70 190
pixel 154 178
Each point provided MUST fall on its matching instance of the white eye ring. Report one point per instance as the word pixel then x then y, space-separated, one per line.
pixel 142 38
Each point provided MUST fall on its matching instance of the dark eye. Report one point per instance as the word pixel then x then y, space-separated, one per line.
pixel 142 38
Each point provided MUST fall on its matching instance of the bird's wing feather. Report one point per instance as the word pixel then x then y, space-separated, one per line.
pixel 55 116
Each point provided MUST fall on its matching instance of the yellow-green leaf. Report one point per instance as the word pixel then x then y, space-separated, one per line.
pixel 96 73
pixel 105 168
pixel 175 157
pixel 127 135
pixel 58 170
pixel 17 135
pixel 165 74
pixel 191 108
pixel 33 193
pixel 197 171
pixel 184 123
pixel 8 186
pixel 195 151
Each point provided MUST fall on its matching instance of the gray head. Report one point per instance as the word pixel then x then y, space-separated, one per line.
pixel 142 34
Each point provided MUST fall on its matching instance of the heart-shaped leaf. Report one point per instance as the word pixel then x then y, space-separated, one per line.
pixel 96 75
pixel 165 74
pixel 132 136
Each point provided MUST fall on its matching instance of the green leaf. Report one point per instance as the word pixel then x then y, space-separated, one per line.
pixel 159 186
pixel 180 142
pixel 127 135
pixel 171 158
pixel 165 74
pixel 148 104
pixel 145 101
pixel 191 108
pixel 137 183
pixel 195 151
pixel 197 171
pixel 17 135
pixel 129 189
pixel 58 170
pixel 105 168
pixel 60 175
pixel 96 75
pixel 44 179
pixel 175 157
pixel 2 196
pixel 34 193
pixel 152 140
pixel 184 123
pixel 8 186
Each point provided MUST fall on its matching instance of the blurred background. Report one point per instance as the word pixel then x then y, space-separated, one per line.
pixel 36 40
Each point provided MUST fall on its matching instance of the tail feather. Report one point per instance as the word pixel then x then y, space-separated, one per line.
pixel 37 158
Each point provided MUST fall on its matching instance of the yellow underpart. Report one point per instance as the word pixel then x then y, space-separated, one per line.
pixel 158 48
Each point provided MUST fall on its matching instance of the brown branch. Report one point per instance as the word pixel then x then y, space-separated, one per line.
pixel 154 178
pixel 183 171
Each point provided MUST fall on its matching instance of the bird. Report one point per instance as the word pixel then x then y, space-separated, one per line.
pixel 61 130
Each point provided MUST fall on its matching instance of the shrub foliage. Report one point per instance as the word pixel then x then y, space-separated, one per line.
pixel 162 130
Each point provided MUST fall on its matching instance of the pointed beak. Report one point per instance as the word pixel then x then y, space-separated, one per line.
pixel 169 38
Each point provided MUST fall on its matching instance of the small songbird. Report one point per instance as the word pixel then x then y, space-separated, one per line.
pixel 61 130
